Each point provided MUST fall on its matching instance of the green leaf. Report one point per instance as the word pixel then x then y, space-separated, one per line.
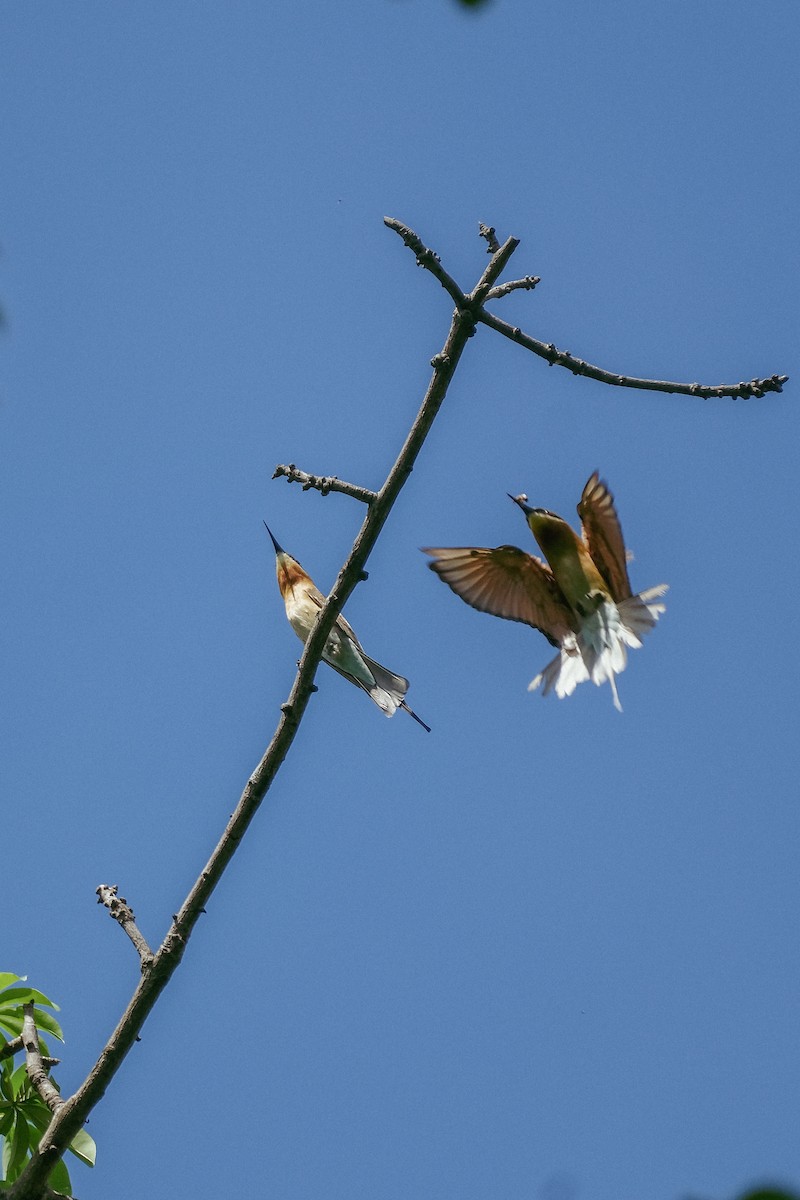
pixel 770 1194
pixel 6 979
pixel 83 1147
pixel 58 1178
pixel 6 1117
pixel 24 996
pixel 11 1014
pixel 18 1081
pixel 18 1146
pixel 47 1022
pixel 11 1020
pixel 37 1114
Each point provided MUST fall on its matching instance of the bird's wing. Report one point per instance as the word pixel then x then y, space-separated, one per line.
pixel 603 536
pixel 508 583
pixel 317 597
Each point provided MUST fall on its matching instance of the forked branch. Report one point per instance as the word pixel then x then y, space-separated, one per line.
pixel 562 358
pixel 471 307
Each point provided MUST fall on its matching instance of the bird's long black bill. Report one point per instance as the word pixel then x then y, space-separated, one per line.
pixel 411 713
pixel 278 549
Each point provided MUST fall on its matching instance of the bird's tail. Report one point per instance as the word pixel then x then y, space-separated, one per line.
pixel 639 614
pixel 599 651
pixel 389 690
pixel 564 673
pixel 411 713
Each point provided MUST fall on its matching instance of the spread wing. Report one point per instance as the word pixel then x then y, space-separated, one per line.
pixel 508 583
pixel 603 536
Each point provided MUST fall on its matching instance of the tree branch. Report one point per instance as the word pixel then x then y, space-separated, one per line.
pixel 74 1111
pixel 12 1047
pixel 120 910
pixel 504 289
pixel 34 1063
pixel 324 483
pixel 9 1049
pixel 428 259
pixel 563 358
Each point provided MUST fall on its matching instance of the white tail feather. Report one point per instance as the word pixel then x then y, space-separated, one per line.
pixel 599 652
pixel 564 673
pixel 639 617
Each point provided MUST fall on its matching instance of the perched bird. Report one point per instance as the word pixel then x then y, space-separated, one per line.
pixel 582 601
pixel 343 651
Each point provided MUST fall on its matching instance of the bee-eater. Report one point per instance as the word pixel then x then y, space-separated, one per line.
pixel 582 601
pixel 343 651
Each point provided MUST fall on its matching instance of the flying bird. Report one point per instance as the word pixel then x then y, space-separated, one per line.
pixel 580 599
pixel 343 651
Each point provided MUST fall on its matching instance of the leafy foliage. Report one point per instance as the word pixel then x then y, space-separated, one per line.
pixel 770 1194
pixel 24 1116
pixel 11 1002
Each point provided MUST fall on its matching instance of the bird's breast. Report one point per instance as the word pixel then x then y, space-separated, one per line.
pixel 301 613
pixel 578 578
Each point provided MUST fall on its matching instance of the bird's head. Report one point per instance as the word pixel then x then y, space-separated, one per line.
pixel 287 569
pixel 550 530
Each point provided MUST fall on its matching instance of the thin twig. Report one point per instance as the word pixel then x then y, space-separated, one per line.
pixel 504 289
pixel 12 1047
pixel 9 1049
pixel 323 483
pixel 122 913
pixel 563 358
pixel 34 1064
pixel 488 232
pixel 428 259
pixel 72 1114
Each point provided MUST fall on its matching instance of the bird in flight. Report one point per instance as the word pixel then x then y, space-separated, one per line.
pixel 343 651
pixel 580 598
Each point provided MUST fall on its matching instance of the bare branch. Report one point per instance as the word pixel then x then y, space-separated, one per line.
pixel 563 358
pixel 9 1049
pixel 324 483
pixel 489 233
pixel 427 259
pixel 527 284
pixel 120 910
pixel 34 1064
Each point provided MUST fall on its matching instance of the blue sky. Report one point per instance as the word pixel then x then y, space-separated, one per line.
pixel 547 951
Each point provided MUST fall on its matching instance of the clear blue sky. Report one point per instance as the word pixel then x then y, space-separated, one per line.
pixel 547 951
